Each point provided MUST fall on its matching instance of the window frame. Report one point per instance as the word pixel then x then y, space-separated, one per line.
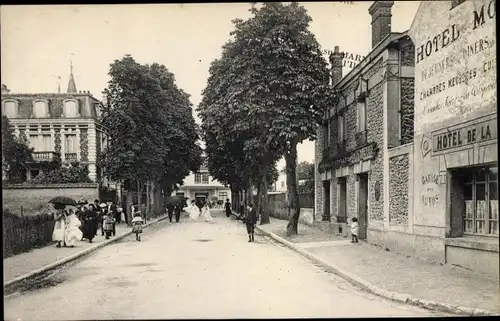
pixel 487 217
pixel 46 109
pixel 361 110
pixel 77 111
pixel 197 178
pixel 16 108
pixel 341 120
pixel 205 178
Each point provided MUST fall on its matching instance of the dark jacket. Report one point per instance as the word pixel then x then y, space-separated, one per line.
pixel 252 217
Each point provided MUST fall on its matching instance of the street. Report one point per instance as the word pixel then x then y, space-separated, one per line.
pixel 197 270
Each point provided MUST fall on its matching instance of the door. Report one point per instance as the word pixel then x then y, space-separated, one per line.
pixel 326 201
pixel 362 205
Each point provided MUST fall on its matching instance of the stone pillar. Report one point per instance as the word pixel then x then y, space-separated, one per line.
pixel 318 186
pixel 336 65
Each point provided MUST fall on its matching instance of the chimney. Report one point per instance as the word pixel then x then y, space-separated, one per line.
pixel 5 90
pixel 336 65
pixel 381 20
pixel 104 98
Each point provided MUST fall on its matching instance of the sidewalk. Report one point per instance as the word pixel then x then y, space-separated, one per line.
pixel 23 263
pixel 421 282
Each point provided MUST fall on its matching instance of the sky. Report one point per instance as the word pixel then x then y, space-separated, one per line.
pixel 38 41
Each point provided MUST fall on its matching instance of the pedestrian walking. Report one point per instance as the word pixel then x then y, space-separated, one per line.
pixel 250 222
pixel 111 210
pixel 177 211
pixel 194 211
pixel 72 232
pixel 109 222
pixel 354 230
pixel 137 223
pixel 90 223
pixel 60 226
pixel 206 214
pixel 170 209
pixel 228 208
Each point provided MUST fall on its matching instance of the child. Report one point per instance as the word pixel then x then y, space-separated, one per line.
pixel 137 222
pixel 354 230
pixel 109 222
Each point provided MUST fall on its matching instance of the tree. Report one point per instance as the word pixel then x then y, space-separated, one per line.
pixel 15 153
pixel 292 82
pixel 153 136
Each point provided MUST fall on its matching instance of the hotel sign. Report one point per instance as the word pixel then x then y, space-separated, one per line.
pixel 448 139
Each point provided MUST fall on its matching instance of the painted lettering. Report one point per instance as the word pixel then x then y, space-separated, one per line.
pixel 485 133
pixel 433 44
pixel 471 135
pixel 479 18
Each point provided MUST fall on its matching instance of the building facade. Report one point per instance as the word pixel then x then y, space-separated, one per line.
pixel 455 214
pixel 369 125
pixel 63 123
pixel 201 185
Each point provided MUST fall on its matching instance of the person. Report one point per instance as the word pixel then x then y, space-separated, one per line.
pixel 60 226
pixel 73 232
pixel 206 213
pixel 112 211
pixel 90 223
pixel 354 230
pixel 228 208
pixel 137 222
pixel 121 214
pixel 250 222
pixel 177 211
pixel 109 222
pixel 194 211
pixel 100 215
pixel 170 209
pixel 80 213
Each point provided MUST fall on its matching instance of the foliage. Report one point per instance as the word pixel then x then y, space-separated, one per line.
pixel 264 95
pixel 305 170
pixel 153 135
pixel 15 153
pixel 75 173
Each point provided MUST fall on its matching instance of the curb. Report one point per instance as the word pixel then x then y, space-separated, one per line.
pixel 369 287
pixel 16 281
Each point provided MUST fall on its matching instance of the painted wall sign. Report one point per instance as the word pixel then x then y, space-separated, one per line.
pixel 466 135
pixel 455 61
pixel 350 59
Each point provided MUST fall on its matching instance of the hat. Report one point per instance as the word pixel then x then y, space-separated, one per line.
pixel 120 209
pixel 82 202
pixel 103 205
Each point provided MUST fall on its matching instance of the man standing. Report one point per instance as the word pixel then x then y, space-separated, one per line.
pixel 170 209
pixel 251 220
pixel 178 212
pixel 228 208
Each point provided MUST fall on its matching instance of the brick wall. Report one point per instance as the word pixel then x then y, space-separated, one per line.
pixel 375 127
pixel 407 109
pixel 318 150
pixel 34 199
pixel 399 167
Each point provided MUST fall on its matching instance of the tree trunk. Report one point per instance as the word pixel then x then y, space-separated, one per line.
pixel 291 186
pixel 148 200
pixel 139 197
pixel 130 202
pixel 157 199
pixel 264 216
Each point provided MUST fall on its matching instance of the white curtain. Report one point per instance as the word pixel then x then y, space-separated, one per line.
pixel 10 109
pixel 70 144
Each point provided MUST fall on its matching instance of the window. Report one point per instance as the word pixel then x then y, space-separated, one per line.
pixel 70 143
pixel 197 178
pixel 46 143
pixel 204 178
pixel 282 183
pixel 361 115
pixel 35 142
pixel 340 128
pixel 222 196
pixel 70 109
pixel 9 109
pixel 40 109
pixel 481 200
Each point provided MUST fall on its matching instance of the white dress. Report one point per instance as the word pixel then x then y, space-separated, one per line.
pixel 194 212
pixel 73 232
pixel 206 214
pixel 59 230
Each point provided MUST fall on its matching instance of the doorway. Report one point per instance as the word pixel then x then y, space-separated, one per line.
pixel 342 197
pixel 326 201
pixel 362 205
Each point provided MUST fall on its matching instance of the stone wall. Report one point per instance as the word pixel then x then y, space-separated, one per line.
pixel 407 52
pixel 318 155
pixel 375 127
pixel 34 198
pixel 278 209
pixel 399 167
pixel 407 109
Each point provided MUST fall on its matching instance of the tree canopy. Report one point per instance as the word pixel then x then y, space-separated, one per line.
pixel 16 153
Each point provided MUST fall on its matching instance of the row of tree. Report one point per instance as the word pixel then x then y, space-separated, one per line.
pixel 152 133
pixel 263 97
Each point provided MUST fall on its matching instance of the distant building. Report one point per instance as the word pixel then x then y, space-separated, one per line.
pixel 65 123
pixel 201 185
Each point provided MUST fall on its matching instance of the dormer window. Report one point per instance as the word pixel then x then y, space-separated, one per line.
pixel 10 108
pixel 71 108
pixel 41 108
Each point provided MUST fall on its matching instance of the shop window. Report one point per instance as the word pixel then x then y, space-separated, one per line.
pixel 205 178
pixel 479 188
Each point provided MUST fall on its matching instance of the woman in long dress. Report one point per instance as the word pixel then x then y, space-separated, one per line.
pixel 206 214
pixel 194 211
pixel 90 223
pixel 60 226
pixel 73 232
